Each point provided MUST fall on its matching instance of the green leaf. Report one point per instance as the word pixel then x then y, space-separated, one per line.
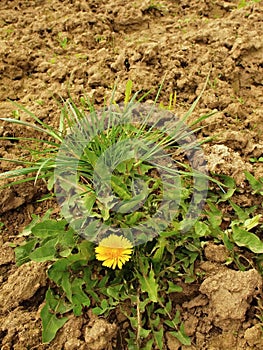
pixel 156 322
pixel 201 229
pixel 128 205
pixel 242 215
pixel 214 216
pixel 50 182
pixel 59 273
pixel 144 332
pixel 257 185
pixel 86 249
pixel 89 199
pixel 133 218
pixel 168 306
pixel 148 346
pixel 90 284
pixel 254 160
pixel 48 228
pixel 113 291
pixel 251 223
pixel 35 219
pixel 66 239
pixel 91 157
pixel 120 188
pixel 104 306
pixel 79 297
pixel 50 322
pixel 158 336
pixel 28 229
pixel 149 285
pixel 22 252
pixel 169 323
pixel 144 168
pixel 181 336
pixel 176 320
pixel 128 92
pixel 244 238
pixel 160 246
pixel 177 317
pixel 174 288
pixel 229 182
pixel 227 242
pixel 45 252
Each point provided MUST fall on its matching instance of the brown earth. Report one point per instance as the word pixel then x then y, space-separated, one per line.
pixel 182 41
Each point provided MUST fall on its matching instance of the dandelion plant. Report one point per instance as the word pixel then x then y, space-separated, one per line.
pixel 131 182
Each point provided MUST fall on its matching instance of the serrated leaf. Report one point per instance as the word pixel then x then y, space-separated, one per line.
pixel 149 345
pixel 168 306
pixel 35 219
pixel 144 332
pixel 242 214
pixel 86 250
pixel 91 156
pixel 22 252
pixel 169 323
pixel 177 317
pixel 160 246
pixel 174 288
pixel 66 239
pixel 48 228
pixel 45 252
pixel 244 238
pixel 201 229
pixel 50 182
pixel 176 320
pixel 214 216
pixel 89 200
pixel 120 188
pixel 28 228
pixel 156 322
pixel 127 206
pixel 158 336
pixel 79 297
pixel 256 185
pixel 227 195
pixel 113 291
pixel 181 336
pixel 133 218
pixel 160 311
pixel 149 285
pixel 102 309
pixel 50 322
pixel 59 273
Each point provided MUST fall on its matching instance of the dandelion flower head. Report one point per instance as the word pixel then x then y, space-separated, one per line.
pixel 114 251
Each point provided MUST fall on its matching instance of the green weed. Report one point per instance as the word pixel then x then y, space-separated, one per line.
pixel 244 3
pixel 63 40
pixel 113 187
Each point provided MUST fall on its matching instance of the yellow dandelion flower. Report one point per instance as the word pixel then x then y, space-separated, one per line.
pixel 114 251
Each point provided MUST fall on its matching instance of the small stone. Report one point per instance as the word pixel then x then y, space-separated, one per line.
pixel 254 336
pixel 6 254
pixel 100 334
pixel 216 252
